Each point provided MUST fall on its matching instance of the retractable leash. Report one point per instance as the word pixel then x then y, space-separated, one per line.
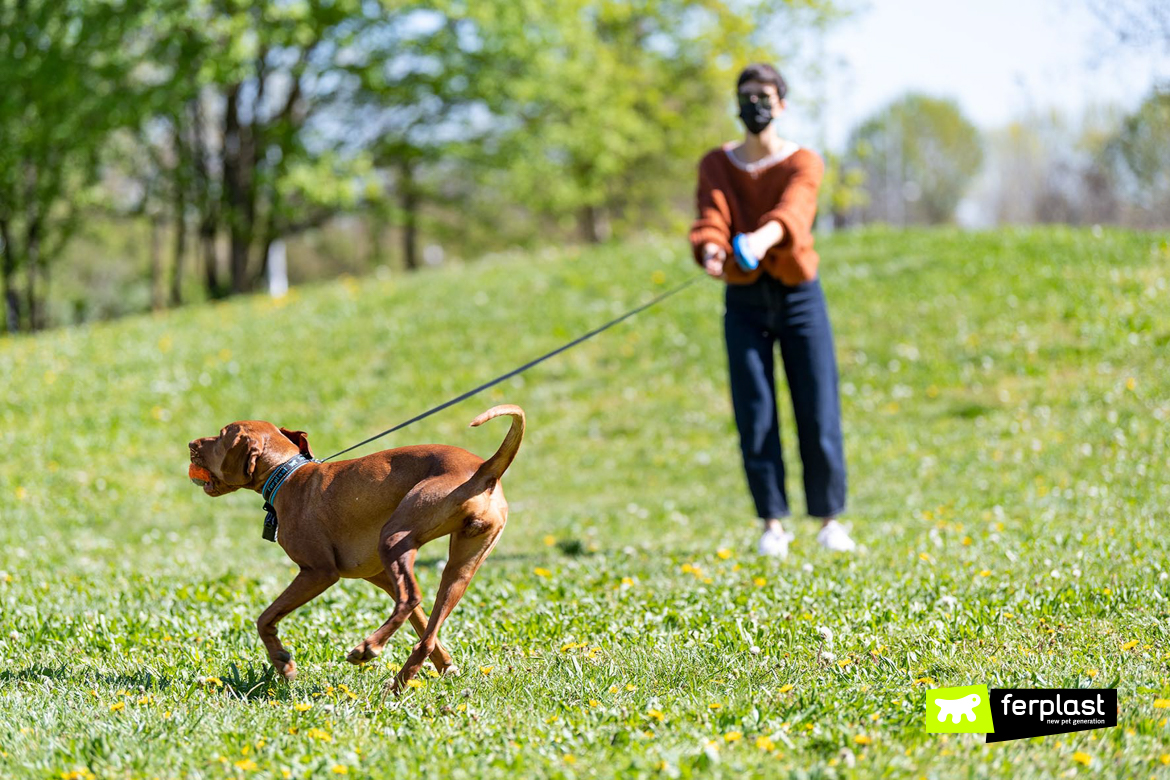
pixel 653 302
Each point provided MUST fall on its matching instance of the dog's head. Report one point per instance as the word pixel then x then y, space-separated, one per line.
pixel 243 454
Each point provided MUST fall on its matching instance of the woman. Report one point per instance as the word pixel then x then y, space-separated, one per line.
pixel 765 188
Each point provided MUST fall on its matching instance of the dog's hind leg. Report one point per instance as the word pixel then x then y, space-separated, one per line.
pixel 466 555
pixel 368 649
pixel 306 586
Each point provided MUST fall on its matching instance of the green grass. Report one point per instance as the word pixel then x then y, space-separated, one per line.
pixel 1007 413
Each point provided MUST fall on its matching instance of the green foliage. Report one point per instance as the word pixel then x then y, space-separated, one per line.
pixel 67 82
pixel 608 106
pixel 1144 145
pixel 918 154
pixel 1004 397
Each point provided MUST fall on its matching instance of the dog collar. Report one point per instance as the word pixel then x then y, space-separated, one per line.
pixel 272 486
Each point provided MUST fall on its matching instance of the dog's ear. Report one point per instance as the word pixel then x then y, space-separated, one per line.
pixel 299 438
pixel 240 453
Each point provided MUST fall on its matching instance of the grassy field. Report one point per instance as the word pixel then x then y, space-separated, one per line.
pixel 1007 414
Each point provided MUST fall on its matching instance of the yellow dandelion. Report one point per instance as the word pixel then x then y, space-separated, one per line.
pixel 549 540
pixel 627 581
pixel 1162 704
pixel 862 739
pixel 786 687
pixel 1164 758
pixel 569 758
pixel 541 572
pixel 1082 758
pixel 303 706
pixel 714 706
pixel 340 769
pixel 985 573
pixel 1130 645
pixel 318 734
pixel 844 662
pixel 117 706
pixel 1092 673
pixel 765 743
pixel 486 669
pixel 415 684
pixel 723 553
pixel 594 703
pixel 759 582
pixel 733 736
pixel 247 764
pixel 656 714
pixel 631 688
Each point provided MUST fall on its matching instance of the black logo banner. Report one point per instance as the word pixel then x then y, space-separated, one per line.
pixel 1019 713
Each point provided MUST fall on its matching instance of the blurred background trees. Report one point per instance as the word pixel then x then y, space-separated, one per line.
pixel 152 152
pixel 916 157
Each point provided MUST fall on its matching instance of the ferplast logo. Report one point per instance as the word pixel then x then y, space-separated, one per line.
pixel 962 710
pixel 1019 713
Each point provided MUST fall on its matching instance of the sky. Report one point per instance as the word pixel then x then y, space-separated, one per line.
pixel 997 58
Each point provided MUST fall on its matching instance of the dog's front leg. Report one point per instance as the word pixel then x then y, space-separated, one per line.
pixel 308 585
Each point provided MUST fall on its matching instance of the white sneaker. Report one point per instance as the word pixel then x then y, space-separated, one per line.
pixel 834 537
pixel 775 543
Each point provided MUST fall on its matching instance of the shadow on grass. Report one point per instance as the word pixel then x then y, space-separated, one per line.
pixel 140 680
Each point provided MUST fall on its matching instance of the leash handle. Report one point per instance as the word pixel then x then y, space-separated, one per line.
pixel 744 257
pixel 653 302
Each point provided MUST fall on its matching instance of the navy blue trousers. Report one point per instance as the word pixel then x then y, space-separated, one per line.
pixel 757 317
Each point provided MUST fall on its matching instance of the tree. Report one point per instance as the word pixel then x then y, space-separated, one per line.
pixel 608 106
pixel 271 69
pixel 1143 145
pixel 918 155
pixel 67 83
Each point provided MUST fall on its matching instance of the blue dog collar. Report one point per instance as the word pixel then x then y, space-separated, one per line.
pixel 272 486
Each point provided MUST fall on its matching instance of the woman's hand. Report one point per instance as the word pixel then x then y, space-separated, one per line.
pixel 714 258
pixel 760 241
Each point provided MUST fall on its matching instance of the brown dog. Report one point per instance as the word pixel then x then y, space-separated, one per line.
pixel 367 518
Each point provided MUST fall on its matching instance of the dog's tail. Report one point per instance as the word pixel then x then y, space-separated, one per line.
pixel 495 466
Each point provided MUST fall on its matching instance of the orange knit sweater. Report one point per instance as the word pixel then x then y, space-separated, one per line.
pixel 734 197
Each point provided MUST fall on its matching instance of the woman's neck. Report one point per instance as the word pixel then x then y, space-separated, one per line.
pixel 756 147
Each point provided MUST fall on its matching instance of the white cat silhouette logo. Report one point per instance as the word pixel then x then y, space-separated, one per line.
pixel 957 709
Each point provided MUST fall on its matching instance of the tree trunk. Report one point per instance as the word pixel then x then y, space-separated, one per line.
pixel 204 202
pixel 32 263
pixel 157 294
pixel 11 298
pixel 409 202
pixel 180 251
pixel 239 190
pixel 594 225
pixel 210 261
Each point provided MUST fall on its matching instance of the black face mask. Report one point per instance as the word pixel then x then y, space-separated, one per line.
pixel 755 114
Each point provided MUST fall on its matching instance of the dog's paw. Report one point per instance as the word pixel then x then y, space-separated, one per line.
pixel 363 653
pixel 285 666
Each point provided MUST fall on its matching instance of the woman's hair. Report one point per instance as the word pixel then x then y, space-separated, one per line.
pixel 765 74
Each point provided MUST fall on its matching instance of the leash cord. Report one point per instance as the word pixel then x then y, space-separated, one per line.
pixel 658 299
